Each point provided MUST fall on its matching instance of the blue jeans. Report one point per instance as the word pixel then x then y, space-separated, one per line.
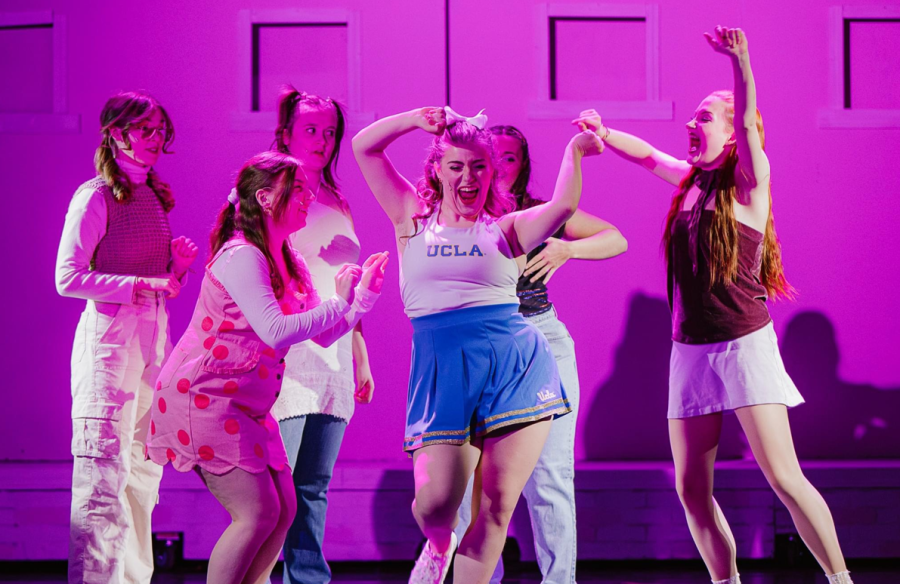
pixel 314 440
pixel 550 491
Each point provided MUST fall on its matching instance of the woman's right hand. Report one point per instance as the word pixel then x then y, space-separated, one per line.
pixel 373 272
pixel 431 119
pixel 345 280
pixel 166 283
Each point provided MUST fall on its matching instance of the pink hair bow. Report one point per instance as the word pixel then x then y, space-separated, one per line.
pixel 479 120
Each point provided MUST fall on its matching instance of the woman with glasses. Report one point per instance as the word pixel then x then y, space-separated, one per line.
pixel 317 397
pixel 117 252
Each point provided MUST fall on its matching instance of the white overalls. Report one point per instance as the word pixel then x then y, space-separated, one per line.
pixel 120 344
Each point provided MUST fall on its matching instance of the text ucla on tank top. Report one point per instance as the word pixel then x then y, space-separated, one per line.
pixel 445 268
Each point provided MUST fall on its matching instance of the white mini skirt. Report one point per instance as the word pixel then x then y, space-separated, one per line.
pixel 719 377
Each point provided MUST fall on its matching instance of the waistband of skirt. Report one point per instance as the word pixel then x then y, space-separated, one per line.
pixel 464 316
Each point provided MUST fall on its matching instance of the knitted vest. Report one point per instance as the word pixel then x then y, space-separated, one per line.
pixel 138 237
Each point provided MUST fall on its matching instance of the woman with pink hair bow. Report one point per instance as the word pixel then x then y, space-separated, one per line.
pixel 483 381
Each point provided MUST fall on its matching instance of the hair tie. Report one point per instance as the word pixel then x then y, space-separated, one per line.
pixel 479 120
pixel 233 197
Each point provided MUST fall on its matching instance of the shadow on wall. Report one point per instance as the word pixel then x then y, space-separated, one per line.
pixel 627 417
pixel 839 420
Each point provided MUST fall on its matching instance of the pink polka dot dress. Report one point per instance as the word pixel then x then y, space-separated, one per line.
pixel 214 395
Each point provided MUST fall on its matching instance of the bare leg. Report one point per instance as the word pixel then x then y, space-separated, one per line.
pixel 261 567
pixel 694 444
pixel 253 502
pixel 769 432
pixel 441 473
pixel 506 463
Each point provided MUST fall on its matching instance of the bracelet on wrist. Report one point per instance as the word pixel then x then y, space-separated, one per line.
pixel 605 133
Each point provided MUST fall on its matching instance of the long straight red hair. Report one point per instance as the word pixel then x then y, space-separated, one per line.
pixel 723 235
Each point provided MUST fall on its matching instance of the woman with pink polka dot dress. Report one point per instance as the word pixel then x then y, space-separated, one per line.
pixel 211 411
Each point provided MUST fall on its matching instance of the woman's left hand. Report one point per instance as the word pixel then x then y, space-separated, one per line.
pixel 184 252
pixel 549 260
pixel 365 385
pixel 728 41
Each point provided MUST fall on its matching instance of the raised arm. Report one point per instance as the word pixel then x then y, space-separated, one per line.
pixel 634 149
pixel 586 237
pixel 753 164
pixel 395 194
pixel 527 229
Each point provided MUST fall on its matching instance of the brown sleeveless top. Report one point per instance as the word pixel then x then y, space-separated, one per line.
pixel 138 238
pixel 725 312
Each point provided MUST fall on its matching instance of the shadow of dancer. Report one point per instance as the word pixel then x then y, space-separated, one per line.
pixel 839 420
pixel 627 416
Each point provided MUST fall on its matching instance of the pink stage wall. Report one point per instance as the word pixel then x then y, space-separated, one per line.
pixel 835 188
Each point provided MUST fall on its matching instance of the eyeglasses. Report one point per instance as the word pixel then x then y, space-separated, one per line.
pixel 147 133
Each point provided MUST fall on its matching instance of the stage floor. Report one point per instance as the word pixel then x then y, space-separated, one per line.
pixel 864 572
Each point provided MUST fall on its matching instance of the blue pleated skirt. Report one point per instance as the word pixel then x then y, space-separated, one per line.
pixel 476 370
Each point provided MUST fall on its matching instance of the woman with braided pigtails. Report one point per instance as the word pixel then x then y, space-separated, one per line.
pixel 724 261
pixel 117 253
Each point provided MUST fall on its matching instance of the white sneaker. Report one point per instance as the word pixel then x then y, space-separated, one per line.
pixel 432 568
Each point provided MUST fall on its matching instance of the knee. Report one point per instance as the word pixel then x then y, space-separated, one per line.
pixel 288 512
pixel 264 519
pixel 498 507
pixel 693 494
pixel 437 511
pixel 788 485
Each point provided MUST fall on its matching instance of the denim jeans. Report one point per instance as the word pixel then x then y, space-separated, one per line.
pixel 550 491
pixel 314 440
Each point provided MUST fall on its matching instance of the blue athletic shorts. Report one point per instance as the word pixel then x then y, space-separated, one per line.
pixel 476 370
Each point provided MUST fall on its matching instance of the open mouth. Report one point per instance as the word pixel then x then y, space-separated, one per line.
pixel 468 194
pixel 694 144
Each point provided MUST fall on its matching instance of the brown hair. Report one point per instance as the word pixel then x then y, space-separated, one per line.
pixel 289 101
pixel 723 235
pixel 122 111
pixel 268 170
pixel 429 188
pixel 519 188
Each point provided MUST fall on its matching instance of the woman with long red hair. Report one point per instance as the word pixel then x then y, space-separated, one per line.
pixel 724 262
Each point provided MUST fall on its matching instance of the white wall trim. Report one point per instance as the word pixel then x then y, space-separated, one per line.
pixel 651 108
pixel 59 121
pixel 246 120
pixel 835 116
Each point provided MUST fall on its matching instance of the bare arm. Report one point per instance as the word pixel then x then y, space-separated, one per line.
pixel 395 194
pixel 753 164
pixel 527 229
pixel 634 149
pixel 586 237
pixel 365 384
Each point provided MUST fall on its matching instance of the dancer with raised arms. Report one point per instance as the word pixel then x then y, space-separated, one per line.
pixel 724 262
pixel 483 382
